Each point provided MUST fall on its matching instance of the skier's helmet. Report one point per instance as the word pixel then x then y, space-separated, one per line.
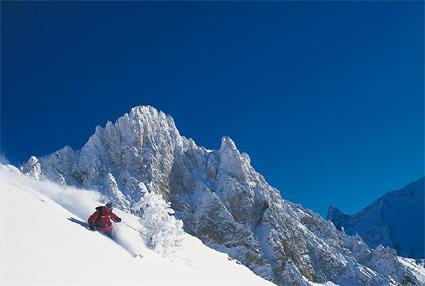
pixel 109 205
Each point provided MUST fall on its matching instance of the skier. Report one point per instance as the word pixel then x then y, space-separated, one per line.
pixel 101 219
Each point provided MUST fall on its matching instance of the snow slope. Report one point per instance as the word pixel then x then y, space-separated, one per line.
pixel 395 220
pixel 42 243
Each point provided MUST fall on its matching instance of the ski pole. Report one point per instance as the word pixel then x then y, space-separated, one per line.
pixel 132 227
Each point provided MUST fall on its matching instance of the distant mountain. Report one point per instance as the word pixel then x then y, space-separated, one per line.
pixel 221 199
pixel 395 220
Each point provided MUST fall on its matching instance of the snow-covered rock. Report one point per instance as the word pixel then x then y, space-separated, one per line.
pixel 395 220
pixel 158 225
pixel 417 266
pixel 221 199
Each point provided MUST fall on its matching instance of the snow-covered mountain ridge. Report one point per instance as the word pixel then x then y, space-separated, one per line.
pixel 221 199
pixel 395 220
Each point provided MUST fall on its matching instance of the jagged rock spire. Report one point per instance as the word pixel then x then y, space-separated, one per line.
pixel 218 195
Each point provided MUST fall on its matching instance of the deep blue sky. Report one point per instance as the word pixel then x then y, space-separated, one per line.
pixel 326 97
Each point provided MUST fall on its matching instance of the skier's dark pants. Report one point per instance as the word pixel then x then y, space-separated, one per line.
pixel 108 234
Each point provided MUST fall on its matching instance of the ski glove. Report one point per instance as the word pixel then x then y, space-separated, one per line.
pixel 92 227
pixel 118 219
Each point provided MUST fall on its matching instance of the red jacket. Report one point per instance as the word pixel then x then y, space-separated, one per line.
pixel 102 217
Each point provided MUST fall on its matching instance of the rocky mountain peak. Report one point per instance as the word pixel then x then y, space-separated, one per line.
pixel 220 198
pixel 228 145
pixel 394 220
pixel 335 214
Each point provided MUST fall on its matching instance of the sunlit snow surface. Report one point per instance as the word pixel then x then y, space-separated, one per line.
pixel 42 243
